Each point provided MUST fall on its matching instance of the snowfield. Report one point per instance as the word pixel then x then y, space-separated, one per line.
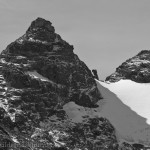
pixel 129 125
pixel 126 107
pixel 135 95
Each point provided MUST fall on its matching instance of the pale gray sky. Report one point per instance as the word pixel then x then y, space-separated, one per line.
pixel 104 32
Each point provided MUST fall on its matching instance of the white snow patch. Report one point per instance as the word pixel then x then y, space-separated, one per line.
pixel 11 115
pixel 36 75
pixel 56 136
pixel 37 41
pixel 16 64
pixel 14 139
pixel 26 65
pixel 20 57
pixel 2 60
pixel 20 41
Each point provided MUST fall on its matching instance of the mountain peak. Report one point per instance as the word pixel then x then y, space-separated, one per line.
pixel 40 37
pixel 39 20
pixel 41 23
pixel 136 68
pixel 143 52
pixel 41 29
pixel 48 96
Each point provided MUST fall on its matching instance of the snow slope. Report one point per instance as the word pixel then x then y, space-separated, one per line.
pixel 129 126
pixel 135 95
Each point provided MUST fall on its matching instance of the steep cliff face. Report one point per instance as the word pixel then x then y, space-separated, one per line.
pixel 42 51
pixel 136 69
pixel 39 76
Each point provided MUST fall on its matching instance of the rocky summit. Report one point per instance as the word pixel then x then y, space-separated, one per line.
pixel 40 79
pixel 136 69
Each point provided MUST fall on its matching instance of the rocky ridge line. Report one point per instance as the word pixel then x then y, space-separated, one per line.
pixel 136 69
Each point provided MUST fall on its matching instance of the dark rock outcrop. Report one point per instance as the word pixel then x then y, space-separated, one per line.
pixel 138 146
pixel 126 146
pixel 39 74
pixel 95 75
pixel 136 69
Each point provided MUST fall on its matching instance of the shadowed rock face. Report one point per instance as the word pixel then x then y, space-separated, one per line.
pixel 43 51
pixel 95 75
pixel 39 74
pixel 136 69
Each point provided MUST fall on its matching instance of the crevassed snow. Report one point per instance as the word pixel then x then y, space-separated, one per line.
pixel 135 95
